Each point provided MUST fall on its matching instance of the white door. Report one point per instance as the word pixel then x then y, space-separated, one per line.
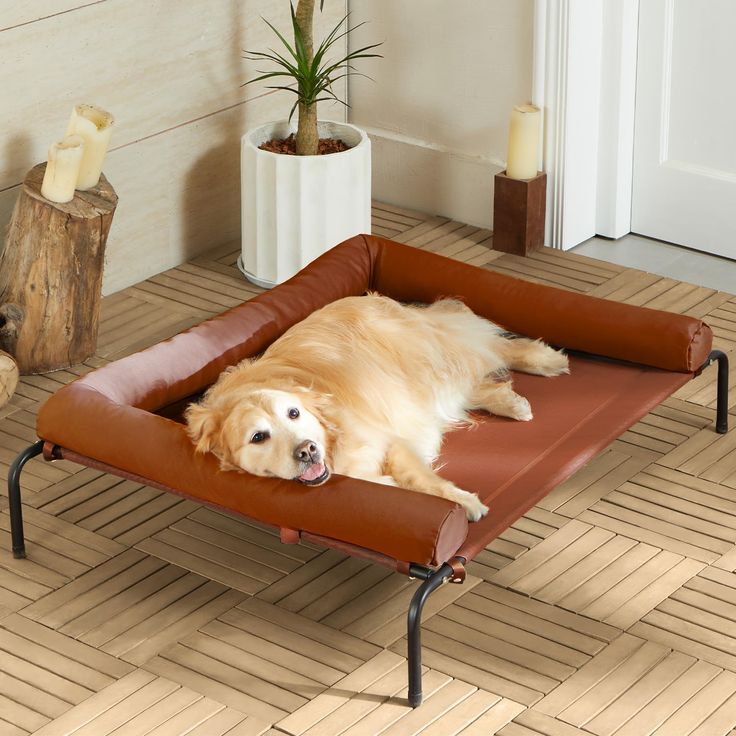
pixel 684 188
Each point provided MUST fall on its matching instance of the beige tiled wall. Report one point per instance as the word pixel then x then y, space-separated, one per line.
pixel 171 73
pixel 439 104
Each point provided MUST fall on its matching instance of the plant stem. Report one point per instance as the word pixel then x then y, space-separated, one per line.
pixel 307 139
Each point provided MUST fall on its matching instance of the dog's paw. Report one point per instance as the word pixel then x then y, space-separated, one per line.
pixel 521 409
pixel 475 509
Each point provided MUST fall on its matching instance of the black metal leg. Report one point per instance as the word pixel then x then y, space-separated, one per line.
pixel 16 512
pixel 432 581
pixel 722 396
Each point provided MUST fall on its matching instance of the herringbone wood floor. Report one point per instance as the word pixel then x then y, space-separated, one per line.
pixel 609 609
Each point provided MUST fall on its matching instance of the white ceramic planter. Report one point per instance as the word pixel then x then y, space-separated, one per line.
pixel 294 208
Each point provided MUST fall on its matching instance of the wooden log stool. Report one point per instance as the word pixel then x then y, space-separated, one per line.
pixel 51 275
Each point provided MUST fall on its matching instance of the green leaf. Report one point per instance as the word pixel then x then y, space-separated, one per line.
pixel 313 80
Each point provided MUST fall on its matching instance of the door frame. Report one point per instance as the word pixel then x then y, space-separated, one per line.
pixel 584 80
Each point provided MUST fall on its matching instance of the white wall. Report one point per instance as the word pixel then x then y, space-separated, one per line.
pixel 171 73
pixel 439 107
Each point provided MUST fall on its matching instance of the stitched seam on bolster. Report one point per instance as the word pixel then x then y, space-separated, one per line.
pixel 435 551
pixel 100 393
pixel 371 259
pixel 690 350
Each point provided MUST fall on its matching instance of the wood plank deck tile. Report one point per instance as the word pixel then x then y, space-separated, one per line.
pixel 577 262
pixel 624 285
pixel 643 538
pixel 323 644
pixel 494 718
pixel 51 650
pixel 532 559
pixel 143 703
pixel 501 268
pixel 532 723
pixel 536 525
pixel 651 690
pixel 271 656
pixel 717 697
pixel 43 674
pixel 18 591
pixel 507 644
pixel 57 553
pixel 222 558
pixel 386 623
pixel 673 510
pixel 428 230
pixel 475 254
pixel 552 268
pixel 310 573
pixel 133 606
pixel 704 389
pixel 117 509
pixel 353 714
pixel 228 685
pixel 616 684
pixel 699 618
pixel 596 479
pixel 460 239
pixel 374 702
pixel 673 537
pixel 588 676
pixel 373 672
pixel 410 214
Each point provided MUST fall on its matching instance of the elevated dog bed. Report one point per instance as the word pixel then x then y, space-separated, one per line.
pixel 125 418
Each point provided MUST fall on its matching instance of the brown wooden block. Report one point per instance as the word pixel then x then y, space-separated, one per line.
pixel 518 213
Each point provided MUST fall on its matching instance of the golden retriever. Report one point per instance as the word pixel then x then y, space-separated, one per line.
pixel 366 387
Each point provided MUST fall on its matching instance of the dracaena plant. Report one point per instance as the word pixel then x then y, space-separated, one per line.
pixel 313 73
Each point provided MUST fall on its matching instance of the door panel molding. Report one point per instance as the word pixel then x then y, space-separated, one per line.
pixel 666 91
pixel 585 83
pixel 683 194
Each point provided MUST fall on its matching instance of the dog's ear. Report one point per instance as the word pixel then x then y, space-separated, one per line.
pixel 204 425
pixel 316 403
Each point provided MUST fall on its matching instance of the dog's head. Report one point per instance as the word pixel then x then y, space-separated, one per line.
pixel 267 432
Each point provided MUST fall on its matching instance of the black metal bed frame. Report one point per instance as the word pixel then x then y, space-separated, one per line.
pixel 431 579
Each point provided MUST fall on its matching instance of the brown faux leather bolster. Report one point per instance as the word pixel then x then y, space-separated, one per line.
pixel 562 318
pixel 388 520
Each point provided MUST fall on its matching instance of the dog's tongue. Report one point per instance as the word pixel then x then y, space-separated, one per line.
pixel 313 472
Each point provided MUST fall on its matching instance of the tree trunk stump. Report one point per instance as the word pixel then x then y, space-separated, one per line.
pixel 8 377
pixel 51 275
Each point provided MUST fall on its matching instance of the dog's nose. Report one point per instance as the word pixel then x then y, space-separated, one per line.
pixel 306 451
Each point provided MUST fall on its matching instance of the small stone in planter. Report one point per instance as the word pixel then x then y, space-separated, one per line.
pixel 288 145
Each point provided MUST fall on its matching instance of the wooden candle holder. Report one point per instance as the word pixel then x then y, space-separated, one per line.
pixel 518 213
pixel 51 275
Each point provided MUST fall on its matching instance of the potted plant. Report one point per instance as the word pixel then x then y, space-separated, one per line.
pixel 304 187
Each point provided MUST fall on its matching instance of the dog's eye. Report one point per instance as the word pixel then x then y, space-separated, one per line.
pixel 259 437
pixel 293 413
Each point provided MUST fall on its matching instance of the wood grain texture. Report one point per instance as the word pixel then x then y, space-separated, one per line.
pixel 51 275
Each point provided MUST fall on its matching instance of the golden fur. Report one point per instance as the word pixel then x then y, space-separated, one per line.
pixel 366 387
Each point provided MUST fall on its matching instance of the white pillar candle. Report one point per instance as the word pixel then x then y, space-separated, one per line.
pixel 95 126
pixel 523 142
pixel 62 169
